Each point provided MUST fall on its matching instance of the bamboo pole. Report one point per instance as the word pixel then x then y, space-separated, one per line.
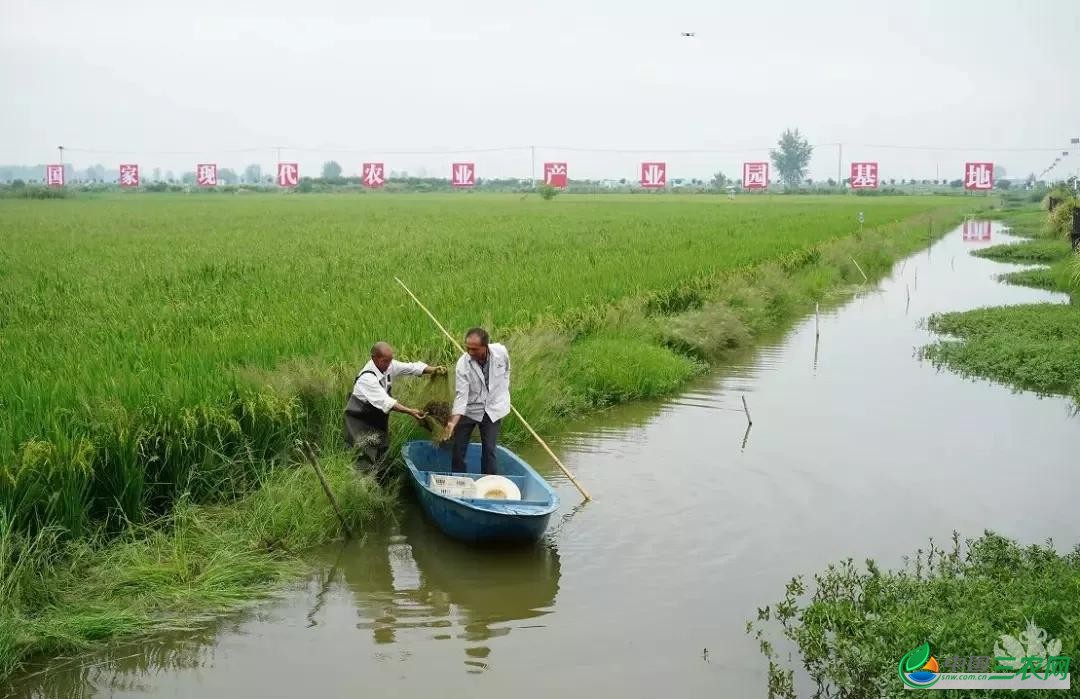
pixel 306 451
pixel 860 270
pixel 461 349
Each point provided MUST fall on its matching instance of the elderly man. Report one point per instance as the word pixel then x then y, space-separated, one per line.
pixel 481 398
pixel 367 414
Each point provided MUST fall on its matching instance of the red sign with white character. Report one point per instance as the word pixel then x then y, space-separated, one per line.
pixel 555 174
pixel 373 175
pixel 463 174
pixel 288 174
pixel 653 175
pixel 206 175
pixel 979 176
pixel 54 175
pixel 864 176
pixel 755 175
pixel 129 175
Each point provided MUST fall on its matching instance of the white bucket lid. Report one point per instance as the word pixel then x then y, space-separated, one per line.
pixel 496 488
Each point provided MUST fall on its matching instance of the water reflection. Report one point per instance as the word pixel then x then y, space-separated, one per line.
pixel 127 668
pixel 411 578
pixel 406 585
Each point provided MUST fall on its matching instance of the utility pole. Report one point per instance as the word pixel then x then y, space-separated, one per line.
pixel 532 149
pixel 839 164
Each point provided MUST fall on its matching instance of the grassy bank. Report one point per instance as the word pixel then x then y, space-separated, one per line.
pixel 182 354
pixel 1031 346
pixel 860 619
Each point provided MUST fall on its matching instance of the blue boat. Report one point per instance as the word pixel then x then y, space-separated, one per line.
pixel 475 520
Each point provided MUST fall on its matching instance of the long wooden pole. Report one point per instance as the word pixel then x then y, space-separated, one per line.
pixel 306 451
pixel 515 410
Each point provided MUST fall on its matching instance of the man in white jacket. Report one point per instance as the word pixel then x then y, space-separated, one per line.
pixel 367 413
pixel 481 398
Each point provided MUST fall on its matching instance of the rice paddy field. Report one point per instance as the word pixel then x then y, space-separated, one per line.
pixel 164 345
pixel 167 357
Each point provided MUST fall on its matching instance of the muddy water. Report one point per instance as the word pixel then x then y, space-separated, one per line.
pixel 857 449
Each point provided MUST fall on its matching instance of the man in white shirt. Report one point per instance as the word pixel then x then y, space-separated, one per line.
pixel 481 398
pixel 367 414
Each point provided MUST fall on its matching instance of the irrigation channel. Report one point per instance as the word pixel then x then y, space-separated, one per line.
pixel 857 449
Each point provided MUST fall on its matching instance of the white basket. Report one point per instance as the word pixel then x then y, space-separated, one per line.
pixel 453 486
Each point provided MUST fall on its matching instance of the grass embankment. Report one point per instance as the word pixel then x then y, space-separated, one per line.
pixel 1030 346
pixel 164 356
pixel 861 620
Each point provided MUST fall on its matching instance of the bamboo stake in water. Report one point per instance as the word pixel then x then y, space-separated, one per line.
pixel 817 321
pixel 747 411
pixel 461 349
pixel 865 279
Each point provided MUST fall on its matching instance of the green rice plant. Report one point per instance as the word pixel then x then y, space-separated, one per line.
pixel 710 333
pixel 615 369
pixel 135 325
pixel 290 512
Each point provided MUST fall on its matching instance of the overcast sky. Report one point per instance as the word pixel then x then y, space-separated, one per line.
pixel 171 84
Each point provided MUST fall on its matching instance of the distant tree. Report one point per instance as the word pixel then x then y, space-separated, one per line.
pixel 809 182
pixel 95 173
pixel 170 177
pixel 956 184
pixel 622 181
pixel 719 181
pixel 893 182
pixel 831 182
pixel 331 170
pixel 792 157
pixel 1003 184
pixel 253 173
pixel 999 172
pixel 188 178
pixel 157 175
pixel 228 176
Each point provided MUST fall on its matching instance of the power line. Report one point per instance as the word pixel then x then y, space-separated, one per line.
pixel 376 150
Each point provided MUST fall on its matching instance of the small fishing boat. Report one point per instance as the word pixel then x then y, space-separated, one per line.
pixel 480 520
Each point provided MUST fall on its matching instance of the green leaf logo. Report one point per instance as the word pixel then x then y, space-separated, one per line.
pixel 915 659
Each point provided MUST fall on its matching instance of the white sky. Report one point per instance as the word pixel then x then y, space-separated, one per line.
pixel 206 78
